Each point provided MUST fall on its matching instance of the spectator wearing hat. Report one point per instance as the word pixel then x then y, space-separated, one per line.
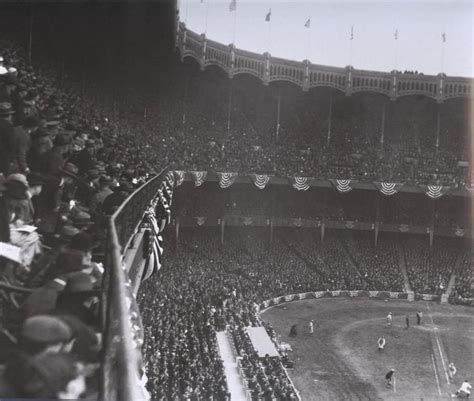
pixel 55 332
pixel 19 199
pixel 98 199
pixel 47 376
pixel 41 142
pixel 86 159
pixel 23 144
pixel 53 160
pixel 79 298
pixel 7 135
pixel 113 201
pixel 43 299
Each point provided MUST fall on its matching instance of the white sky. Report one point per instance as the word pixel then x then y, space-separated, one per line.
pixel 420 27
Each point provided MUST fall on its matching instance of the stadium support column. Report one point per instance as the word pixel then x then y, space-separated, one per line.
pixel 377 217
pixel 323 229
pixel 177 231
pixel 376 231
pixel 222 230
pixel 229 111
pixel 382 128
pixel 185 92
pixel 329 119
pixel 438 124
pixel 278 112
pixel 271 230
pixel 432 219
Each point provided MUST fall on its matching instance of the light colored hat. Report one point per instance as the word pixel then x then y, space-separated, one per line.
pixel 17 178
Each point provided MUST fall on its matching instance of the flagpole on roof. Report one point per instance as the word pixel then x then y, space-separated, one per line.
pixel 186 13
pixel 235 27
pixel 278 112
pixel 351 39
pixel 395 36
pixel 207 17
pixel 443 43
pixel 307 25
pixel 268 18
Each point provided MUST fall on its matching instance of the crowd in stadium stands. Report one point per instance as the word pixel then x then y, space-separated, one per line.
pixel 69 158
pixel 426 267
pixel 224 283
pixel 263 377
pixel 63 169
pixel 241 135
pixel 202 121
pixel 463 288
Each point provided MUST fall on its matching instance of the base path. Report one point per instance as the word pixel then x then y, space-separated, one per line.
pixel 234 381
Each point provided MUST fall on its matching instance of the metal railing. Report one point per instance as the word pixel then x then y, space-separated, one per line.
pixel 121 358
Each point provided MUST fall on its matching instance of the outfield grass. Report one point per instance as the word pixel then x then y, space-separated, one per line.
pixel 340 360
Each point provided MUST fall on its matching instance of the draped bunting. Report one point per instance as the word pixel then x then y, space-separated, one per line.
pixel 198 177
pixel 167 191
pixel 299 183
pixel 170 178
pixel 460 232
pixel 247 221
pixel 260 180
pixel 388 188
pixel 154 244
pixel 404 228
pixel 226 179
pixel 435 192
pixel 342 186
pixel 162 209
pixel 350 224
pixel 179 177
pixel 297 222
pixel 200 220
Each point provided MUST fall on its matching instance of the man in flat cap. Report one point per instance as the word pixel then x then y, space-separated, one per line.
pixel 7 135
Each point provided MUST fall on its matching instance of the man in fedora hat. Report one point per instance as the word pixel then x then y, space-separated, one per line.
pixel 19 199
pixel 22 142
pixel 7 134
pixel 98 199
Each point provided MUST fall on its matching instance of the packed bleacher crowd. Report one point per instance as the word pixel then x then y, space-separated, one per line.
pixel 63 169
pixel 240 134
pixel 224 284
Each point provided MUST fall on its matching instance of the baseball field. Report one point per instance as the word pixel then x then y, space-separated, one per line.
pixel 340 360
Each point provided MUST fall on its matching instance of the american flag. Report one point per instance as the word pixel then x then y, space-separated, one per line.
pixel 233 5
pixel 268 17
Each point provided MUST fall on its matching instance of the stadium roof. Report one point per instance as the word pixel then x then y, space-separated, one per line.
pixel 424 36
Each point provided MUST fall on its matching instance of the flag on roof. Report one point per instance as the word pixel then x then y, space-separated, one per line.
pixel 233 5
pixel 395 35
pixel 307 24
pixel 269 15
pixel 352 32
pixel 444 37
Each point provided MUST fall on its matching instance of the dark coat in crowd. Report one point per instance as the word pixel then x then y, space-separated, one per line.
pixel 7 145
